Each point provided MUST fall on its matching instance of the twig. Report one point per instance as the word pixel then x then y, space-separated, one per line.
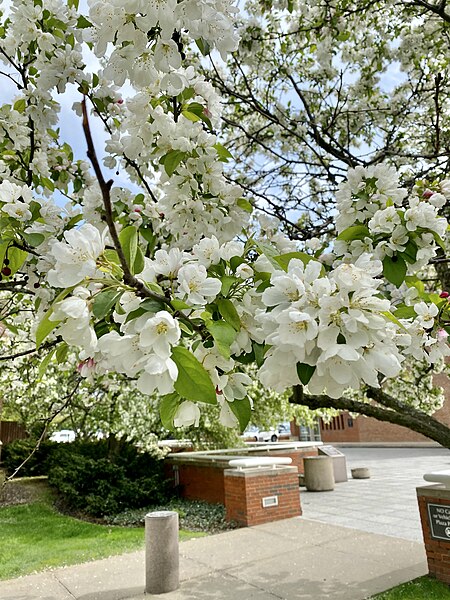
pixel 105 188
pixel 45 346
pixel 44 432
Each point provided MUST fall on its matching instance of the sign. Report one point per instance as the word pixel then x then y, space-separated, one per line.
pixel 329 451
pixel 439 519
pixel 270 501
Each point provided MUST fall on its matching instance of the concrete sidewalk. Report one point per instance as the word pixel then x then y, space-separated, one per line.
pixel 289 560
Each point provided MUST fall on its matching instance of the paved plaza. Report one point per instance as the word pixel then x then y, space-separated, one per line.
pixel 361 539
pixel 386 503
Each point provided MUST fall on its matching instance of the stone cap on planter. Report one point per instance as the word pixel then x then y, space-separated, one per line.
pixel 220 458
pixel 259 462
pixel 442 477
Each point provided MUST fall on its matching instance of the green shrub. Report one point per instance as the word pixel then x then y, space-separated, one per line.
pixel 15 453
pixel 194 515
pixel 96 484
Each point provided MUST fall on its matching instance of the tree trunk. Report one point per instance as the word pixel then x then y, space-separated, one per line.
pixel 386 408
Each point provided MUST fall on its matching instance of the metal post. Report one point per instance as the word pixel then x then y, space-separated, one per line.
pixel 161 552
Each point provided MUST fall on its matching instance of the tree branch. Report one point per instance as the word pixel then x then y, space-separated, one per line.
pixel 105 188
pixel 412 418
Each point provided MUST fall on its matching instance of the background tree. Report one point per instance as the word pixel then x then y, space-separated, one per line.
pixel 315 89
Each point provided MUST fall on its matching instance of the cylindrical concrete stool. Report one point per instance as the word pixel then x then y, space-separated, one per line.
pixel 319 475
pixel 161 552
pixel 361 473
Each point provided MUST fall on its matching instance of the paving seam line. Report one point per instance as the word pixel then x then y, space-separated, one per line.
pixel 253 585
pixel 54 576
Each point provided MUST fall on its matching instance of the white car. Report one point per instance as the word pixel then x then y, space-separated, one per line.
pixel 253 433
pixel 271 435
pixel 65 435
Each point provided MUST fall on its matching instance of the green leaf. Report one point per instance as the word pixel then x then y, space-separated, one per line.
pixel 305 372
pixel 224 155
pixel 33 239
pixel 16 258
pixel 203 46
pixel 149 236
pixel 149 305
pixel 439 241
pixel 46 326
pixel 242 409
pixel 168 409
pixel 410 252
pixel 196 112
pixel 129 241
pixel 404 312
pixel 61 352
pixel 235 261
pixel 104 301
pixel 20 105
pixel 190 116
pixel 223 334
pixel 139 262
pixel 259 351
pixel 193 382
pixel 82 22
pixel 356 232
pixel 245 205
pixel 171 161
pixel 44 364
pixel 393 319
pixel 48 183
pixel 227 282
pixel 179 304
pixel 269 251
pixel 394 269
pixel 73 221
pixel 284 259
pixel 229 313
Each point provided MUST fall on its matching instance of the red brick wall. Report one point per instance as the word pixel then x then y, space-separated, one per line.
pixel 199 482
pixel 205 482
pixel 367 429
pixel 245 490
pixel 438 552
pixel 338 430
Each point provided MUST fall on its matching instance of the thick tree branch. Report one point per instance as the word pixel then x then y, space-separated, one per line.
pixel 105 188
pixel 412 418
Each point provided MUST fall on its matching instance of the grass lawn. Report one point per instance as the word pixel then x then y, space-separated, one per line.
pixel 34 537
pixel 424 588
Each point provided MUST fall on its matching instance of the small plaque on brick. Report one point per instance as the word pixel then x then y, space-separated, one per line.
pixel 439 519
pixel 329 451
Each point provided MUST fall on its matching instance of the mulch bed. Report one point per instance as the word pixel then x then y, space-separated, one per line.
pixel 17 492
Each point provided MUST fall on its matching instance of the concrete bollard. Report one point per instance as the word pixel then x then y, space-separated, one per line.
pixel 161 552
pixel 319 476
pixel 361 473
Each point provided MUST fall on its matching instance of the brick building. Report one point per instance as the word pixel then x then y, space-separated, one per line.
pixel 366 429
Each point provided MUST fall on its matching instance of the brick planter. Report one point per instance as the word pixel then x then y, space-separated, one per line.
pixel 434 507
pixel 261 495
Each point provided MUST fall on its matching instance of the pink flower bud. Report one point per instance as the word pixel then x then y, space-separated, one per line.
pixel 444 295
pixel 120 101
pixel 427 193
pixel 441 335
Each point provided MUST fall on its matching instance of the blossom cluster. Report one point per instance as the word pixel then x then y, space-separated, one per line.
pixel 166 281
pixel 376 215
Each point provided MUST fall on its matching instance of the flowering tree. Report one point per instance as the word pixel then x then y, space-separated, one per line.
pixel 167 279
